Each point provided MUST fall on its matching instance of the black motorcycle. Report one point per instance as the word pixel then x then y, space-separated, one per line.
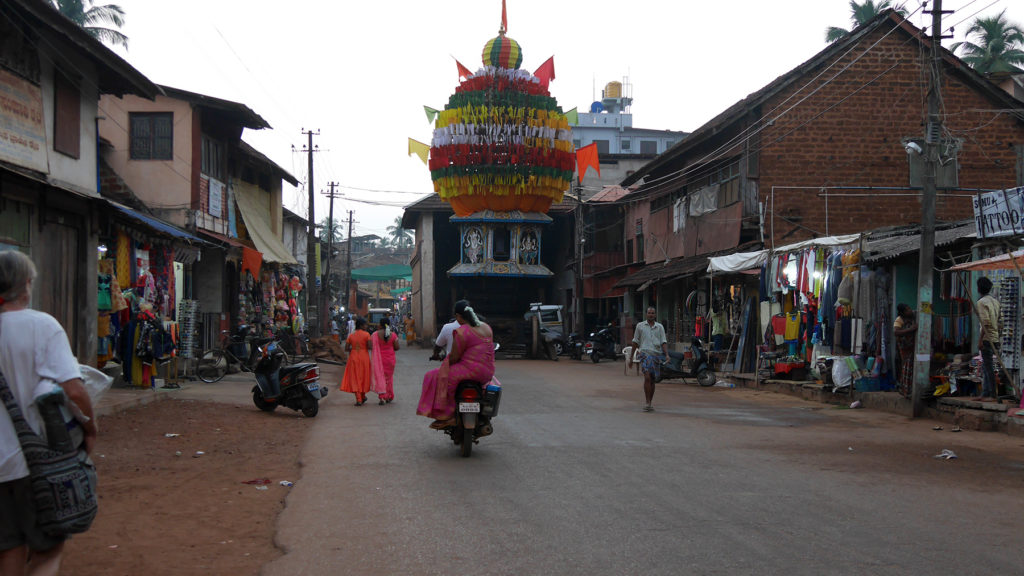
pixel 574 346
pixel 691 364
pixel 296 386
pixel 476 404
pixel 601 345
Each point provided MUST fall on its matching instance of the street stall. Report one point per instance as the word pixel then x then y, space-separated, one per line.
pixel 733 285
pixel 814 302
pixel 1004 270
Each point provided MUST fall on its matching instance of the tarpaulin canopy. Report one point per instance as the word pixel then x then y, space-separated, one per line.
pixel 399 291
pixel 255 213
pixel 1009 261
pixel 826 241
pixel 382 273
pixel 737 262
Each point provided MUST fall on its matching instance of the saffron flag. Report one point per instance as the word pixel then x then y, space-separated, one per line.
pixel 463 71
pixel 504 17
pixel 587 157
pixel 420 149
pixel 546 72
pixel 431 114
pixel 573 117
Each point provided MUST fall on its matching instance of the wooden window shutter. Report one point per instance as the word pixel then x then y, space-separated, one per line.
pixel 67 117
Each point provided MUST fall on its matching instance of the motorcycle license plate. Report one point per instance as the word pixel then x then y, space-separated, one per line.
pixel 313 386
pixel 469 406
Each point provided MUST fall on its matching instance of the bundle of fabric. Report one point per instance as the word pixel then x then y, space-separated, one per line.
pixel 325 348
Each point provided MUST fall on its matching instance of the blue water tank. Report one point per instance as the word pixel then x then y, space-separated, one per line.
pixel 596 108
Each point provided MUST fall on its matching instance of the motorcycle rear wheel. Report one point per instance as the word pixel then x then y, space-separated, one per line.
pixel 466 448
pixel 310 407
pixel 706 378
pixel 595 357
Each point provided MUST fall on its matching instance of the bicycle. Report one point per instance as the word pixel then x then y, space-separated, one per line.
pixel 213 363
pixel 295 346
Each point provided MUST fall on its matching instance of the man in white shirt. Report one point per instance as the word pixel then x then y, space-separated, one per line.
pixel 650 339
pixel 444 340
pixel 350 327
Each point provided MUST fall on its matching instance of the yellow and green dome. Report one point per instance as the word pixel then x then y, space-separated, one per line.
pixel 503 52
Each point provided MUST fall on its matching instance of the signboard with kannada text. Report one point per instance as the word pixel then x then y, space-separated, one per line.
pixel 22 129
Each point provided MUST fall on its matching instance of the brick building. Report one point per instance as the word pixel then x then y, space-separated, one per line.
pixel 820 151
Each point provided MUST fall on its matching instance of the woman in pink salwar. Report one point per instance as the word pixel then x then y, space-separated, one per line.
pixel 471 358
pixel 382 362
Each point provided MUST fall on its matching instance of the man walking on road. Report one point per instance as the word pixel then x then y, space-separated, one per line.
pixel 650 339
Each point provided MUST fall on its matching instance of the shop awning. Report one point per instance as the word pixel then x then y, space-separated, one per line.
pixel 1001 262
pixel 222 238
pixel 399 291
pixel 738 262
pixel 257 221
pixel 156 224
pixel 383 273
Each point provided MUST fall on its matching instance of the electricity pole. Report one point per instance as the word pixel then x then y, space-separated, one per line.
pixel 311 295
pixel 326 283
pixel 348 265
pixel 932 135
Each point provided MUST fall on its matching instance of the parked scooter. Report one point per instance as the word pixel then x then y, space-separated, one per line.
pixel 296 386
pixel 691 364
pixel 601 345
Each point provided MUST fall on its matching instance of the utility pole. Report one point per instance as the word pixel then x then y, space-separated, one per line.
pixel 311 262
pixel 932 135
pixel 580 251
pixel 326 283
pixel 348 265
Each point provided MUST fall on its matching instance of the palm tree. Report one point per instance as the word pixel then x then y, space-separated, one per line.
pixel 860 13
pixel 94 19
pixel 997 48
pixel 330 229
pixel 399 237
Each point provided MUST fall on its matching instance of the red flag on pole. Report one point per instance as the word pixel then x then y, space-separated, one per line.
pixel 463 71
pixel 504 18
pixel 546 72
pixel 586 157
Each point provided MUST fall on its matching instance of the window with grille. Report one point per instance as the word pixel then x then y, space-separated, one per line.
pixel 151 135
pixel 648 146
pixel 625 143
pixel 602 147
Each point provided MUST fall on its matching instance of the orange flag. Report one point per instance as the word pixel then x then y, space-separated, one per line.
pixel 586 157
pixel 463 71
pixel 546 72
pixel 504 17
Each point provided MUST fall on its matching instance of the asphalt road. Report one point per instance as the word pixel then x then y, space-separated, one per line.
pixel 576 479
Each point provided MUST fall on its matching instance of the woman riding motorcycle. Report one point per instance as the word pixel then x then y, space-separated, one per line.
pixel 471 358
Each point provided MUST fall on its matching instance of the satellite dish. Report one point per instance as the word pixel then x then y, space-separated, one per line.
pixel 596 108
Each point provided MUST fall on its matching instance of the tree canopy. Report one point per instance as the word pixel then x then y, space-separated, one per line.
pixel 102 22
pixel 993 45
pixel 861 13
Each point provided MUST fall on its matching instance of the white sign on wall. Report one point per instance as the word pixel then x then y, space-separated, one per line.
pixel 22 130
pixel 216 197
pixel 999 213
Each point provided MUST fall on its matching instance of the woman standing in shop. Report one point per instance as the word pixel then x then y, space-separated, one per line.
pixel 358 377
pixel 905 330
pixel 382 361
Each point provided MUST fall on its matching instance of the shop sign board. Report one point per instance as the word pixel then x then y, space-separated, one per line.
pixel 999 213
pixel 22 130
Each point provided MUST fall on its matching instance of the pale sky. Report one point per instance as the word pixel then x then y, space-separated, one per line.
pixel 360 72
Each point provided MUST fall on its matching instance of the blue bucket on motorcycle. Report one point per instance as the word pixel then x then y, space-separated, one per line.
pixel 491 399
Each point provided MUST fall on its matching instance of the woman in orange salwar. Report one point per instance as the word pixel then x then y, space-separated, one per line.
pixel 382 362
pixel 357 369
pixel 471 358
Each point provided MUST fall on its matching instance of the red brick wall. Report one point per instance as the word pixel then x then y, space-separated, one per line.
pixel 857 142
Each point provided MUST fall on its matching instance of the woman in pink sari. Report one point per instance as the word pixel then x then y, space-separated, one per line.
pixel 382 362
pixel 471 358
